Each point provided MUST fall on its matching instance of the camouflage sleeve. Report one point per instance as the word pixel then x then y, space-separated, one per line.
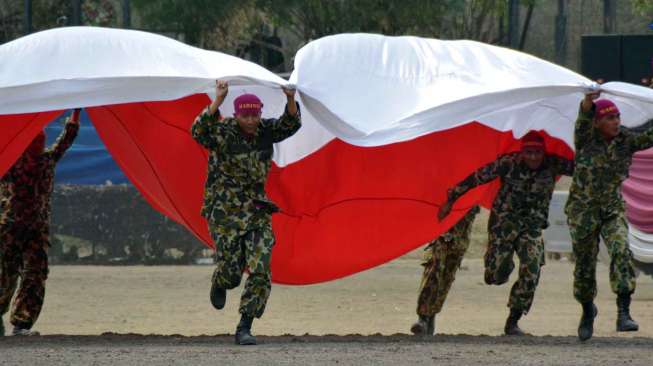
pixel 483 175
pixel 206 129
pixel 8 176
pixel 64 141
pixel 286 125
pixel 583 128
pixel 563 166
pixel 641 138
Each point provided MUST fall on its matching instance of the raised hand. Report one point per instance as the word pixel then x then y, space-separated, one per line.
pixel 588 101
pixel 290 92
pixel 290 95
pixel 221 88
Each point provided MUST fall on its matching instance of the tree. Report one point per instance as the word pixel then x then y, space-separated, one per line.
pixel 643 7
pixel 561 32
pixel 45 14
pixel 513 23
pixel 446 19
pixel 480 20
pixel 10 20
pixel 48 14
pixel 223 25
pixel 100 13
pixel 609 16
pixel 311 19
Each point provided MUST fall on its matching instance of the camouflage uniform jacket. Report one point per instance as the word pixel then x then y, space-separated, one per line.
pixel 26 188
pixel 238 165
pixel 602 166
pixel 524 195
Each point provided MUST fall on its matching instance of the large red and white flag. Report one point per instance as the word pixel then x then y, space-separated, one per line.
pixel 389 123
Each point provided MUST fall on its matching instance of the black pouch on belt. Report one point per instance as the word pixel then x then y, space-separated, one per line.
pixel 266 206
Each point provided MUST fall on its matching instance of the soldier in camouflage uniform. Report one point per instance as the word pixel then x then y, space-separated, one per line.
pixel 604 152
pixel 25 192
pixel 235 203
pixel 442 258
pixel 518 216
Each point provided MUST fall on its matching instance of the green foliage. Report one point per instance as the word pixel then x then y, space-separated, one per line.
pixel 100 13
pixel 45 14
pixel 310 19
pixel 199 22
pixel 48 14
pixel 643 7
pixel 244 27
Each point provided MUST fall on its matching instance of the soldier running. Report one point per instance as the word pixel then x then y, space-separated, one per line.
pixel 604 152
pixel 442 258
pixel 25 192
pixel 235 203
pixel 518 216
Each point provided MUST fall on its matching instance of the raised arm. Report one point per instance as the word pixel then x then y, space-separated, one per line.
pixel 66 138
pixel 481 176
pixel 205 128
pixel 583 129
pixel 290 120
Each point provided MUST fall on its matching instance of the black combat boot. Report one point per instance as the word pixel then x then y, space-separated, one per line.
pixel 430 330
pixel 425 325
pixel 243 331
pixel 2 328
pixel 218 296
pixel 586 326
pixel 24 329
pixel 18 331
pixel 624 322
pixel 512 328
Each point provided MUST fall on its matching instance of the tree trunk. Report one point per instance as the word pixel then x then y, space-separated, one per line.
pixel 561 33
pixel 502 32
pixel 527 24
pixel 27 23
pixel 77 12
pixel 513 24
pixel 609 16
pixel 126 14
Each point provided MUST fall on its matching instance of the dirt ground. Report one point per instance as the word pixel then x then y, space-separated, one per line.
pixel 91 305
pixel 393 350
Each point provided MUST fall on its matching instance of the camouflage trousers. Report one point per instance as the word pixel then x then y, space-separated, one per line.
pixel 251 249
pixel 585 231
pixel 23 255
pixel 529 247
pixel 442 259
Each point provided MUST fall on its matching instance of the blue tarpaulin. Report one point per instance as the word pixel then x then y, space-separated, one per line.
pixel 87 161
